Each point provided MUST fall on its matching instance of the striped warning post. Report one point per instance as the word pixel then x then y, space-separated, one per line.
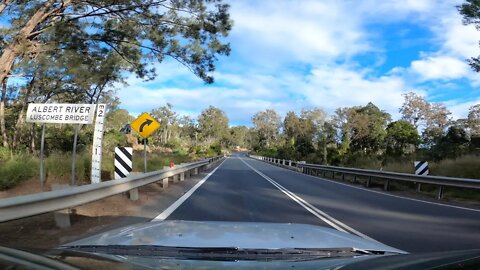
pixel 123 162
pixel 421 168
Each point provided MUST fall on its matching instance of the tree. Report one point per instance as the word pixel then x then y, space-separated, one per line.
pixel 238 136
pixel 473 120
pixel 340 122
pixel 400 136
pixel 188 128
pixel 117 119
pixel 138 30
pixel 470 10
pixel 267 125
pixel 367 128
pixel 291 125
pixel 453 144
pixel 168 122
pixel 213 124
pixel 436 123
pixel 415 109
pixel 315 119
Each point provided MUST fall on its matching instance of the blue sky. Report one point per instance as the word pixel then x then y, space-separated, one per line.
pixel 287 55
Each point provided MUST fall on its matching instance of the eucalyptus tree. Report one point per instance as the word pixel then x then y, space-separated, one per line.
pixel 213 125
pixel 267 125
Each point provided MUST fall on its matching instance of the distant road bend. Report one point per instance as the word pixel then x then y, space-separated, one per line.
pixel 244 189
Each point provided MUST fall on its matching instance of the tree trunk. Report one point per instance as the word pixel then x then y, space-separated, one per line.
pixel 3 129
pixel 33 149
pixel 20 120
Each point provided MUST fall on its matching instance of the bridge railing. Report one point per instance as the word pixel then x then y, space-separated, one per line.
pixel 386 177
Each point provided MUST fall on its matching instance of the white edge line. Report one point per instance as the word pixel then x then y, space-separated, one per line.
pixel 375 191
pixel 167 212
pixel 312 209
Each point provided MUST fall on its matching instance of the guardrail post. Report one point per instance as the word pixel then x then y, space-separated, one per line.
pixel 133 194
pixel 354 179
pixel 182 176
pixel 387 183
pixel 419 187
pixel 290 163
pixel 323 173
pixel 195 171
pixel 369 179
pixel 164 183
pixel 172 178
pixel 440 192
pixel 284 162
pixel 62 217
pixel 343 176
pixel 333 175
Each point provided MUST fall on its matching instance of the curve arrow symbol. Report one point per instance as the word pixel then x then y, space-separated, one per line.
pixel 147 122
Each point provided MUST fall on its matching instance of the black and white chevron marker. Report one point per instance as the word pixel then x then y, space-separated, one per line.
pixel 123 162
pixel 421 168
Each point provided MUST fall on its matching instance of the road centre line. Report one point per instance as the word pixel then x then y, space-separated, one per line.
pixel 167 212
pixel 336 224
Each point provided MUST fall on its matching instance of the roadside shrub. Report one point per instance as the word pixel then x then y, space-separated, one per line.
pixel 16 170
pixel 5 153
pixel 214 150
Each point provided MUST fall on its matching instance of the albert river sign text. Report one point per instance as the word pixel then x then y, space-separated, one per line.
pixel 61 113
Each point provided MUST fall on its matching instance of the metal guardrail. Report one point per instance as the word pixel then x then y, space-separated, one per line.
pixel 321 170
pixel 44 202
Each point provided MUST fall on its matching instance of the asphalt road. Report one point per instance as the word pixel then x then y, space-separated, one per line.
pixel 244 189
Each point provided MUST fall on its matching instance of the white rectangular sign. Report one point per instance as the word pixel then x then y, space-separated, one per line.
pixel 61 113
pixel 97 144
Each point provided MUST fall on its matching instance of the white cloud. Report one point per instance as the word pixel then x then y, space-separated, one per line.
pixel 440 68
pixel 459 108
pixel 332 87
pixel 296 30
pixel 292 54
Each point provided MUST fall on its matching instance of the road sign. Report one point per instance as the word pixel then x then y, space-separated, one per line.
pixel 97 144
pixel 60 113
pixel 421 168
pixel 145 125
pixel 123 162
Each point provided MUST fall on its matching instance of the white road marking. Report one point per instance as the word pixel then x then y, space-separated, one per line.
pixel 167 212
pixel 310 208
pixel 382 193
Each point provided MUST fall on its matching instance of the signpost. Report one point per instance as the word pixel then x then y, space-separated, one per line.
pixel 62 113
pixel 145 125
pixel 96 173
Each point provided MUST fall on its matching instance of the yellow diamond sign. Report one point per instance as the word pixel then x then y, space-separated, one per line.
pixel 145 125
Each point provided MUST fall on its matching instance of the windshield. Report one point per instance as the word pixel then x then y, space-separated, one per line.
pixel 223 130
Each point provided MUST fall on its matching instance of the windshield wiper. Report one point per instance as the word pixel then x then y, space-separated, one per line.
pixel 223 253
